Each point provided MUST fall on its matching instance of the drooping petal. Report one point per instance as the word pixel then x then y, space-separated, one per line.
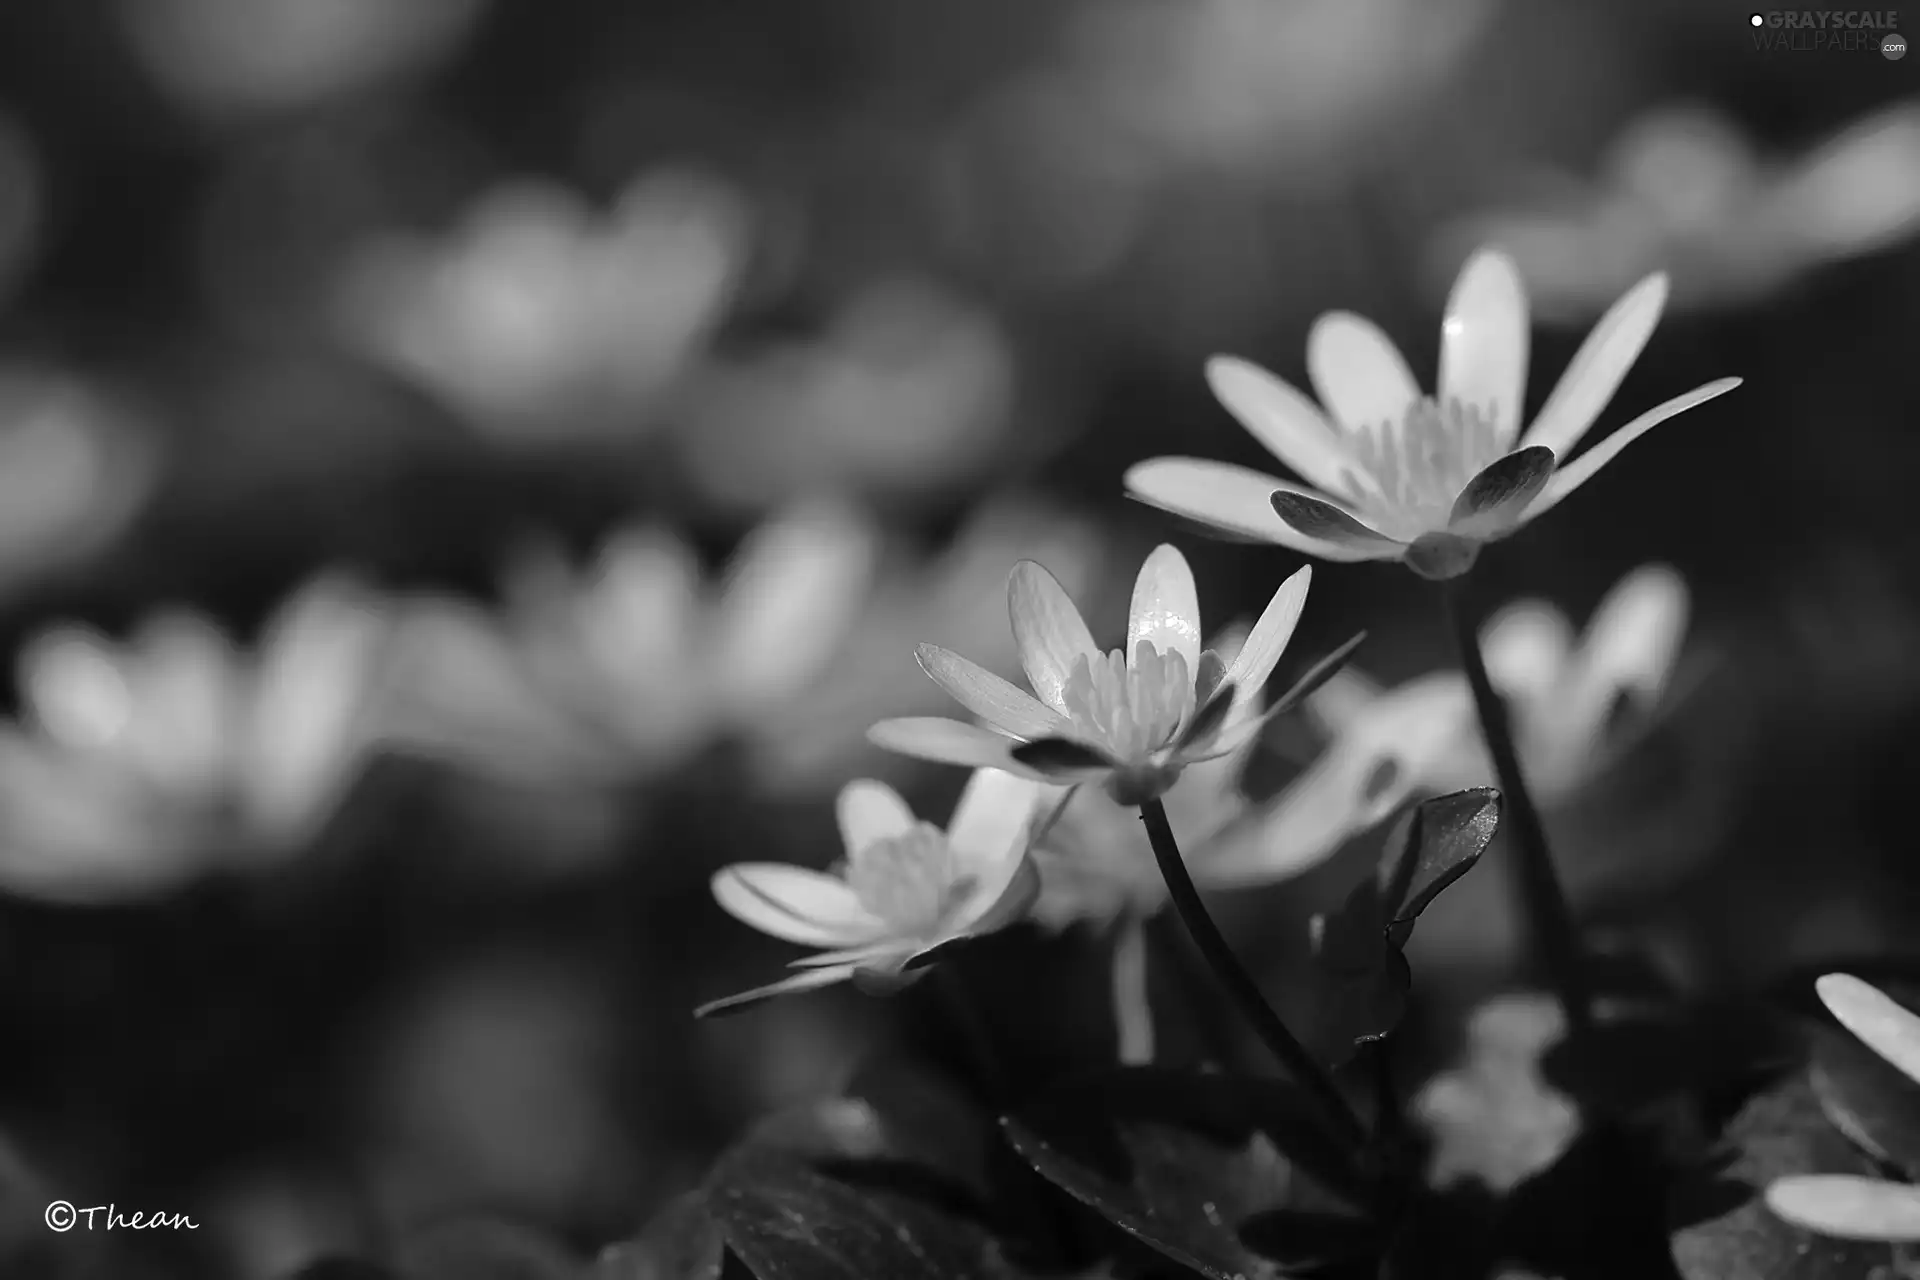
pixel 1528 649
pixel 1228 497
pixel 1496 501
pixel 1484 341
pixel 990 822
pixel 947 742
pixel 1289 424
pixel 1598 367
pixel 870 811
pixel 1582 469
pixel 1881 1023
pixel 1358 373
pixel 1630 646
pixel 1322 521
pixel 806 980
pixel 795 904
pixel 1000 703
pixel 1048 629
pixel 1166 607
pixel 1268 640
pixel 1848 1207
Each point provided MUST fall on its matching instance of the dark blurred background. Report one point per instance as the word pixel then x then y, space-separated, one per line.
pixel 468 468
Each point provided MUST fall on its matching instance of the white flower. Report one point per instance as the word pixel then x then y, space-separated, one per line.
pixel 1423 737
pixel 139 763
pixel 1131 719
pixel 905 889
pixel 1858 1208
pixel 639 662
pixel 1399 475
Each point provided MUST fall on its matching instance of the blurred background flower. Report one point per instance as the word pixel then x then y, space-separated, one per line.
pixel 660 376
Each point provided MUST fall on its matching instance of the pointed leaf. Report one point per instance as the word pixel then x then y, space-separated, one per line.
pixel 1781 1132
pixel 1184 1160
pixel 1437 844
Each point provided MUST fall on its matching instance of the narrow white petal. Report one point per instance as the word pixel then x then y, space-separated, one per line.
pixel 1584 467
pixel 1358 372
pixel 870 811
pixel 1166 607
pixel 1000 703
pixel 1630 647
pixel 1268 640
pixel 1284 420
pixel 947 742
pixel 1848 1207
pixel 795 904
pixel 1598 367
pixel 1235 499
pixel 1882 1024
pixel 1048 628
pixel 806 980
pixel 1528 648
pixel 1483 340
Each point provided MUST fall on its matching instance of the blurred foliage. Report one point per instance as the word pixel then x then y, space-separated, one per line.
pixel 469 468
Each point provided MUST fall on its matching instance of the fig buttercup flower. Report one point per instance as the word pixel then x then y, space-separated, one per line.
pixel 1566 695
pixel 905 890
pixel 1399 475
pixel 1847 1206
pixel 1131 719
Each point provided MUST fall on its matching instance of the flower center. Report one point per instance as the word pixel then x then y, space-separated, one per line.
pixel 1419 465
pixel 908 880
pixel 1131 712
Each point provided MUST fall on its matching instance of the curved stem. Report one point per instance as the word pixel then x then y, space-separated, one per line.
pixel 1293 1055
pixel 1550 922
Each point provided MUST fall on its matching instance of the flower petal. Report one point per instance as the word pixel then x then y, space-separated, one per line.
pixel 1165 610
pixel 1048 629
pixel 996 907
pixel 1881 1023
pixel 1289 424
pixel 1598 367
pixel 1495 501
pixel 1238 733
pixel 1582 469
pixel 1062 759
pixel 1848 1207
pixel 1483 341
pixel 1630 646
pixel 1228 497
pixel 1528 649
pixel 795 904
pixel 869 812
pixel 990 821
pixel 1000 703
pixel 1358 373
pixel 1261 650
pixel 947 742
pixel 1322 521
pixel 871 953
pixel 806 980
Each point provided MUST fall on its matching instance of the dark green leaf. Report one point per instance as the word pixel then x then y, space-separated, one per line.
pixel 1436 844
pixel 1184 1160
pixel 787 1220
pixel 681 1242
pixel 1780 1131
pixel 1868 1099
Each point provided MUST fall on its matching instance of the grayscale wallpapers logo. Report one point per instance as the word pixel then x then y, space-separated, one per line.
pixel 1830 30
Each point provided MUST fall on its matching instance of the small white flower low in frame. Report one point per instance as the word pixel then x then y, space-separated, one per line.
pixel 1395 474
pixel 905 889
pixel 1850 1207
pixel 1131 719
pixel 1563 691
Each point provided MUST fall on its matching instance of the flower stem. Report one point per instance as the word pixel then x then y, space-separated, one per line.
pixel 1554 935
pixel 1132 1006
pixel 1292 1055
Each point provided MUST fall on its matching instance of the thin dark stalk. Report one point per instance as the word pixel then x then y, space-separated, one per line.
pixel 1550 923
pixel 1253 1006
pixel 1199 996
